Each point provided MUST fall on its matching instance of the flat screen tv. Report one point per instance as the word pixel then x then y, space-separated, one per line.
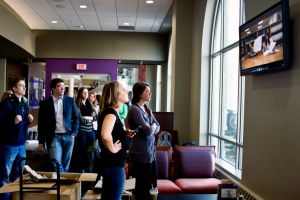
pixel 265 41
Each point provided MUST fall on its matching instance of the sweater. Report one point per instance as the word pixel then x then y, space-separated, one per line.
pixel 142 148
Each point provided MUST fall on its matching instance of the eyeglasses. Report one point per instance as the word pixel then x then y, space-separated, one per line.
pixel 60 86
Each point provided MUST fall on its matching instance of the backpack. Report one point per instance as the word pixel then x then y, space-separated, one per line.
pixel 164 139
pixel 93 153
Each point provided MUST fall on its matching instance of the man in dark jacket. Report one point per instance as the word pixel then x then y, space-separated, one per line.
pixel 14 122
pixel 58 125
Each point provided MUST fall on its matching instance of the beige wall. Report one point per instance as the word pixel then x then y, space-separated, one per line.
pixel 164 85
pixel 152 81
pixel 13 29
pixel 271 127
pixel 101 45
pixel 181 66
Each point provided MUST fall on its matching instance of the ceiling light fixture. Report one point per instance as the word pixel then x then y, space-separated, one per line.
pixel 126 24
pixel 54 22
pixel 83 6
pixel 149 1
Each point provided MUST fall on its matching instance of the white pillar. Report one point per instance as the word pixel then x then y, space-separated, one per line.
pixel 71 88
pixel 79 85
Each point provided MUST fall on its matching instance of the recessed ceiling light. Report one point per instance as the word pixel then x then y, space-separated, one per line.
pixel 83 6
pixel 54 22
pixel 149 1
pixel 126 24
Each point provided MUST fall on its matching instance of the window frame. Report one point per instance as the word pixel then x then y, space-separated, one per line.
pixel 241 87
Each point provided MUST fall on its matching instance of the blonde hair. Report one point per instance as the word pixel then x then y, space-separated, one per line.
pixel 110 95
pixel 95 101
pixel 6 94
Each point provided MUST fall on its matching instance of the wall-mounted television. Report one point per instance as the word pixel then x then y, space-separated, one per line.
pixel 265 41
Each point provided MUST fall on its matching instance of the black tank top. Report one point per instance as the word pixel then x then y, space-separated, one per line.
pixel 118 133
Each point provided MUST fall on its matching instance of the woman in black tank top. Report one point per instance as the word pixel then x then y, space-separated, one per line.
pixel 112 134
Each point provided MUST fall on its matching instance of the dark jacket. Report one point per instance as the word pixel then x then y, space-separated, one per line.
pixel 11 133
pixel 47 119
pixel 142 147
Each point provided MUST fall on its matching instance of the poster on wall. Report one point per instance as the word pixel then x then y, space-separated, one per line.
pixel 36 87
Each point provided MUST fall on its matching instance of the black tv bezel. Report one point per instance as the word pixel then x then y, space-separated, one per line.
pixel 278 65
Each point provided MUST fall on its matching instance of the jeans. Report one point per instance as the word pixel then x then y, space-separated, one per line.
pixel 251 55
pixel 146 176
pixel 61 149
pixel 113 183
pixel 9 162
pixel 80 161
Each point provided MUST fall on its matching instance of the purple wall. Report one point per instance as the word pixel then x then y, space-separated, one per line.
pixel 93 66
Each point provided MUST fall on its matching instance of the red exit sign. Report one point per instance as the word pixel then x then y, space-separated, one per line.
pixel 81 66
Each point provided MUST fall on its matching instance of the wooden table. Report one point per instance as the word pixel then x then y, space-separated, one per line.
pixel 261 59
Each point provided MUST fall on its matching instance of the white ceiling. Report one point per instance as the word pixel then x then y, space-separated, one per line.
pixel 100 15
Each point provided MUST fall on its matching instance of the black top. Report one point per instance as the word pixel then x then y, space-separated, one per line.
pixel 118 133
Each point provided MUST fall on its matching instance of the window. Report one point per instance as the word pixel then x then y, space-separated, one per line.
pixel 226 85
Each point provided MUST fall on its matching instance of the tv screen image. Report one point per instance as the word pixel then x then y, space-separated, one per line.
pixel 263 45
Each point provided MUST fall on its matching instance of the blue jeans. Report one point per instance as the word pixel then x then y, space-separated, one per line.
pixel 9 162
pixel 61 149
pixel 113 183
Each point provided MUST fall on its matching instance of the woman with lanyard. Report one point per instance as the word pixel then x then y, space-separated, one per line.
pixel 142 148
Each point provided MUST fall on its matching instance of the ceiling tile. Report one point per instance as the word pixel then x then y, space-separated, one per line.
pixel 167 3
pixel 148 8
pixel 36 1
pixel 89 18
pixel 43 26
pixel 69 17
pixel 45 11
pixel 127 2
pixel 66 12
pixel 164 9
pixel 126 14
pixel 161 15
pixel 142 24
pixel 76 28
pixel 147 20
pixel 155 29
pixel 101 7
pixel 106 13
pixel 127 19
pixel 109 28
pixel 157 24
pixel 108 19
pixel 60 6
pixel 35 16
pixel 146 14
pixel 104 1
pixel 50 17
pixel 159 19
pixel 90 23
pixel 155 3
pixel 82 1
pixel 40 5
pixel 72 23
pixel 122 23
pixel 84 12
pixel 127 7
pixel 105 23
pixel 93 28
pixel 59 22
pixel 143 29
pixel 59 26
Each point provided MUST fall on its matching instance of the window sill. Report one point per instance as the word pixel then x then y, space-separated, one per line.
pixel 228 168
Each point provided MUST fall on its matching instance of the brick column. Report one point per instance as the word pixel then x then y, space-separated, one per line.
pixel 143 73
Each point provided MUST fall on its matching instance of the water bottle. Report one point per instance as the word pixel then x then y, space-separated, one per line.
pixel 30 135
pixel 35 135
